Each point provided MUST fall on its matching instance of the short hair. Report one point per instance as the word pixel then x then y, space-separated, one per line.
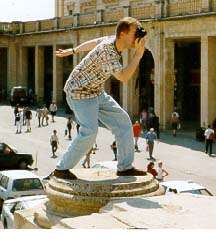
pixel 124 25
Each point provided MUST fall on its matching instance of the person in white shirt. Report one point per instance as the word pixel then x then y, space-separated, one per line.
pixel 53 109
pixel 161 172
pixel 18 123
pixel 54 143
pixel 209 137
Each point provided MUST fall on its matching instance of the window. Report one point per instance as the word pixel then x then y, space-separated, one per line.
pixel 27 184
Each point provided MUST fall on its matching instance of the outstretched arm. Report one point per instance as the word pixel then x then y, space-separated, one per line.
pixel 86 46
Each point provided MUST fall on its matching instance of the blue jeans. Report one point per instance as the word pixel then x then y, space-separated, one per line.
pixel 89 113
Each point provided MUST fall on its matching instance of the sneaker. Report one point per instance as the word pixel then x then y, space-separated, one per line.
pixel 64 174
pixel 132 172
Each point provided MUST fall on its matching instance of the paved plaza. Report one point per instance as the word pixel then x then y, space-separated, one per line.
pixel 183 156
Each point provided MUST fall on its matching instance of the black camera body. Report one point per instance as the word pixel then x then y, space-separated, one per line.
pixel 140 32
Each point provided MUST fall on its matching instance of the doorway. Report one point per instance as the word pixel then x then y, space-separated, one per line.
pixel 187 80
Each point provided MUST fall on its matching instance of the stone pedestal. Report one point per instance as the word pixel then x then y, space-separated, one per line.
pixel 70 201
pixel 93 190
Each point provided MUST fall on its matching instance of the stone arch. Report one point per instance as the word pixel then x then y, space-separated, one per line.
pixel 145 81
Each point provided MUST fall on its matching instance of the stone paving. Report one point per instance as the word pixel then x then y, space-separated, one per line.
pixel 183 156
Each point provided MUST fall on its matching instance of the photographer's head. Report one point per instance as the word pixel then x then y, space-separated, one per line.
pixel 127 31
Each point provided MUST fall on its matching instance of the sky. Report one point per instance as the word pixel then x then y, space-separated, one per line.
pixel 26 10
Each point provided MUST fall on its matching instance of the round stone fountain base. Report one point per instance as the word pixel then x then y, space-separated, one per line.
pixel 93 189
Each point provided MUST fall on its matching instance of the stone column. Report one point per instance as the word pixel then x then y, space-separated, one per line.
pixel 76 13
pixel 100 10
pixel 208 80
pixel 124 88
pixel 39 73
pixel 12 67
pixel 206 5
pixel 166 8
pixel 38 26
pixel 57 77
pixel 125 85
pixel 159 8
pixel 168 81
pixel 59 8
pixel 56 23
pixel 126 7
pixel 22 66
pixel 158 74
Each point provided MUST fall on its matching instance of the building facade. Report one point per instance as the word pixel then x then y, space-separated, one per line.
pixel 181 39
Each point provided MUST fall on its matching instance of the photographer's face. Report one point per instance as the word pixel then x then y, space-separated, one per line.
pixel 129 37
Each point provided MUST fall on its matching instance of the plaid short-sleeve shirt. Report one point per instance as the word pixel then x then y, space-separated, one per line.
pixel 88 77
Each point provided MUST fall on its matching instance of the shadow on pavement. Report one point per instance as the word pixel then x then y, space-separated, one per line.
pixel 185 139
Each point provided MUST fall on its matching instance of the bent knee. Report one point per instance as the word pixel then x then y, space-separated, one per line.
pixel 89 132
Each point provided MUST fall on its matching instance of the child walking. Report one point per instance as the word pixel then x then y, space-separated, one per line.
pixel 87 159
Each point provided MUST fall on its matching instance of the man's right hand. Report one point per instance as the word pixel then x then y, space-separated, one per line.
pixel 63 53
pixel 140 46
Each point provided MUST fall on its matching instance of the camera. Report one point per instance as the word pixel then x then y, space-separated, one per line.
pixel 140 32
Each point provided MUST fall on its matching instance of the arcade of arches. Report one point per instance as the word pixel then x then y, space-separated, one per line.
pixel 178 70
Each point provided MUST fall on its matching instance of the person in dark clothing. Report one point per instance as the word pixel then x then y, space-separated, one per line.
pixel 209 138
pixel 156 125
pixel 77 128
pixel 69 127
pixel 114 149
pixel 28 115
pixel 151 170
pixel 16 111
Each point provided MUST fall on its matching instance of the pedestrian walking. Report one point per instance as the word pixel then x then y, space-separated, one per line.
pixel 150 138
pixel 151 169
pixel 137 133
pixel 39 116
pixel 69 127
pixel 161 172
pixel 18 123
pixel 209 138
pixel 16 110
pixel 28 115
pixel 175 122
pixel 54 143
pixel 114 149
pixel 87 159
pixel 155 124
pixel 45 115
pixel 53 109
pixel 23 116
pixel 86 97
pixel 143 119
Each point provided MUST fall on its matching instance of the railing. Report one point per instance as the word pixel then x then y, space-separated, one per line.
pixel 113 14
pixel 184 7
pixel 139 9
pixel 46 25
pixel 30 27
pixel 5 27
pixel 87 19
pixel 65 22
pixel 143 11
